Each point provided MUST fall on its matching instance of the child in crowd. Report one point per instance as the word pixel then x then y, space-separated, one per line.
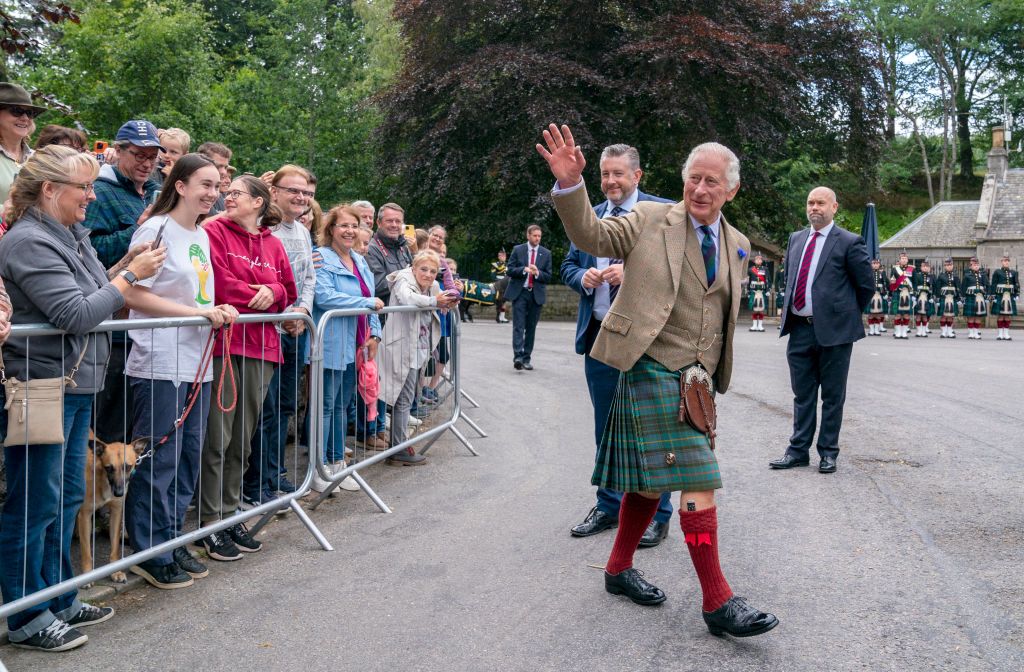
pixel 409 338
pixel 175 143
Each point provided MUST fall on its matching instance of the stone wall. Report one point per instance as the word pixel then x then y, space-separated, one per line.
pixel 561 304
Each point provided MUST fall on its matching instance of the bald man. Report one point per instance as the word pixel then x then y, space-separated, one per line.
pixel 828 284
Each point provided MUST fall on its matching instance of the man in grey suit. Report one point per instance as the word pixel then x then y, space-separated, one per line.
pixel 828 284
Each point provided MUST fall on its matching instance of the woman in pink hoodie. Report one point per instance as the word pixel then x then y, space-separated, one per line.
pixel 251 273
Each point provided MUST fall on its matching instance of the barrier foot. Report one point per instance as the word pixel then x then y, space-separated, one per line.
pixel 370 493
pixel 476 427
pixel 424 449
pixel 464 440
pixel 469 399
pixel 311 526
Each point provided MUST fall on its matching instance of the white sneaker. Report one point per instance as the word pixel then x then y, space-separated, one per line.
pixel 414 421
pixel 348 483
pixel 387 421
pixel 319 484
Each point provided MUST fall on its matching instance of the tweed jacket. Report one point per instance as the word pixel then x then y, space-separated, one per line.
pixel 652 241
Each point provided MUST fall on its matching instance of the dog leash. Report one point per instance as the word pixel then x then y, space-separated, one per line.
pixel 197 384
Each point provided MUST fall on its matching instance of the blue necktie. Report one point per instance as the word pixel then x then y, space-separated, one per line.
pixel 707 250
pixel 616 211
pixel 614 289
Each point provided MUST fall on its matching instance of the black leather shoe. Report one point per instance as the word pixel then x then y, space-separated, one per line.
pixel 788 461
pixel 596 521
pixel 518 363
pixel 739 619
pixel 653 535
pixel 827 465
pixel 630 582
pixel 527 365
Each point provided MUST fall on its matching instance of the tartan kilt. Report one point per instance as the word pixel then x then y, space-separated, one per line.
pixel 975 308
pixel 645 448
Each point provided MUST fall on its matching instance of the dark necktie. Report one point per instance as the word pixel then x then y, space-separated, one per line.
pixel 613 289
pixel 799 299
pixel 533 260
pixel 616 211
pixel 707 250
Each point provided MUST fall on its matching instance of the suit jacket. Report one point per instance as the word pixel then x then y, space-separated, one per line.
pixel 577 263
pixel 843 285
pixel 519 260
pixel 655 235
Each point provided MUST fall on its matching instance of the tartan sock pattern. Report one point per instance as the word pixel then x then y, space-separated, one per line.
pixel 700 529
pixel 635 514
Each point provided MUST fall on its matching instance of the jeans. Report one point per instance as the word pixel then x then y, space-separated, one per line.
pixel 269 444
pixel 162 486
pixel 403 407
pixel 339 388
pixel 46 487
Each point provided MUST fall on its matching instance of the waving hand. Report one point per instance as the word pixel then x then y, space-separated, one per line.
pixel 564 158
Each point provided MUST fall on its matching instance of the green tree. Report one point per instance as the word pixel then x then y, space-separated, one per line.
pixel 26 24
pixel 135 59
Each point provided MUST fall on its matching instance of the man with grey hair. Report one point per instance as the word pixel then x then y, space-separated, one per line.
pixel 669 331
pixel 597 281
pixel 366 213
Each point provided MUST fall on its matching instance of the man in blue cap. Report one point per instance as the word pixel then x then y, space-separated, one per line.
pixel 124 195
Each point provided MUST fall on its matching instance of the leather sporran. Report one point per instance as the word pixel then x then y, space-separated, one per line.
pixel 35 409
pixel 696 403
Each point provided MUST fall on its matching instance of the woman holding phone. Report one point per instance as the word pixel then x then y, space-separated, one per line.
pixel 164 364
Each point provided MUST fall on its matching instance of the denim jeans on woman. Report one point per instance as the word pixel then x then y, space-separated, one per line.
pixel 339 388
pixel 45 489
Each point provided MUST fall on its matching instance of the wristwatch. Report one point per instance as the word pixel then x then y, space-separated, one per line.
pixel 129 277
pixel 377 338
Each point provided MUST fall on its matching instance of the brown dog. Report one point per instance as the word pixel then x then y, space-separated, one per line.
pixel 107 469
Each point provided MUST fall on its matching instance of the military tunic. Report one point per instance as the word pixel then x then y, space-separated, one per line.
pixel 1005 290
pixel 901 291
pixel 946 289
pixel 974 287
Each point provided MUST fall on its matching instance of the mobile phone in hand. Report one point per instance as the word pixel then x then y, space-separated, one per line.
pixel 159 236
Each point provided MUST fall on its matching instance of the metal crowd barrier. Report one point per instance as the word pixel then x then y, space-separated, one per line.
pixel 266 510
pixel 452 396
pixel 449 407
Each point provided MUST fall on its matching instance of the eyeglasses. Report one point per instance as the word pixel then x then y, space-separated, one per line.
pixel 346 225
pixel 86 187
pixel 143 159
pixel 437 236
pixel 235 194
pixel 292 191
pixel 17 111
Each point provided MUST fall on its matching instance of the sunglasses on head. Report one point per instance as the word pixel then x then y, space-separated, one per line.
pixel 18 111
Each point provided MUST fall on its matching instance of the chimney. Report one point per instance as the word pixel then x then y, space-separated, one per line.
pixel 998 159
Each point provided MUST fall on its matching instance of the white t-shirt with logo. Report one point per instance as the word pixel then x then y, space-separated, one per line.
pixel 186 277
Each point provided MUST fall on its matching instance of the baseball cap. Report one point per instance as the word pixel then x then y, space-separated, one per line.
pixel 138 132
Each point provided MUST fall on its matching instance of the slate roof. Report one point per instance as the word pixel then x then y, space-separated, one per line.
pixel 1008 214
pixel 947 224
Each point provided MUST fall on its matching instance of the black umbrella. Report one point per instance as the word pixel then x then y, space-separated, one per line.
pixel 869 230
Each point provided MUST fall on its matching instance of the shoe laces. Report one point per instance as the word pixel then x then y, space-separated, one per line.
pixel 57 630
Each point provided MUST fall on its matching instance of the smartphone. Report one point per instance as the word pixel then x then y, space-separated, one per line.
pixel 98 149
pixel 159 236
pixel 156 195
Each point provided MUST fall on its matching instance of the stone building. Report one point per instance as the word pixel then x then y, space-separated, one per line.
pixel 987 228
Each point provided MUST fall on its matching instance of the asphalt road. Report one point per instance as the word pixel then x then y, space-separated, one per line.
pixel 908 558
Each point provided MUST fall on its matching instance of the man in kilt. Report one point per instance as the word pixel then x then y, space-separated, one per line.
pixel 975 288
pixel 878 305
pixel 757 293
pixel 1005 291
pixel 947 298
pixel 901 296
pixel 924 303
pixel 672 319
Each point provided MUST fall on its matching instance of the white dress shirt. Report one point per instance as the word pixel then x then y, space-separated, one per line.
pixel 807 310
pixel 715 229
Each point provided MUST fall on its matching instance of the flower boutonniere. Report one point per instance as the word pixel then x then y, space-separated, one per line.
pixel 742 253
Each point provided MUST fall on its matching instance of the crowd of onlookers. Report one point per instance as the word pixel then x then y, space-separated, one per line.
pixel 147 228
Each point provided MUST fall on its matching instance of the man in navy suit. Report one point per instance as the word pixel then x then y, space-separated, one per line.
pixel 529 272
pixel 828 284
pixel 596 280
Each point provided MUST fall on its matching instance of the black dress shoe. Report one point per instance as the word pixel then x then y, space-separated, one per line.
pixel 596 521
pixel 653 535
pixel 739 619
pixel 827 465
pixel 630 582
pixel 789 461
pixel 528 366
pixel 518 363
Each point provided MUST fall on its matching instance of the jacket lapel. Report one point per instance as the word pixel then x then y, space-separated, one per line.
pixel 677 243
pixel 830 242
pixel 728 256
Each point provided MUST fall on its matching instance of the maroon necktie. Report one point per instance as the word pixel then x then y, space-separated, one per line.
pixel 533 260
pixel 799 299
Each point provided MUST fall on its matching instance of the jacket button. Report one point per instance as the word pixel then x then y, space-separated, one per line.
pixel 668 307
pixel 654 332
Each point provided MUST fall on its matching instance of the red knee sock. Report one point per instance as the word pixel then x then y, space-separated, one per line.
pixel 700 528
pixel 635 514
